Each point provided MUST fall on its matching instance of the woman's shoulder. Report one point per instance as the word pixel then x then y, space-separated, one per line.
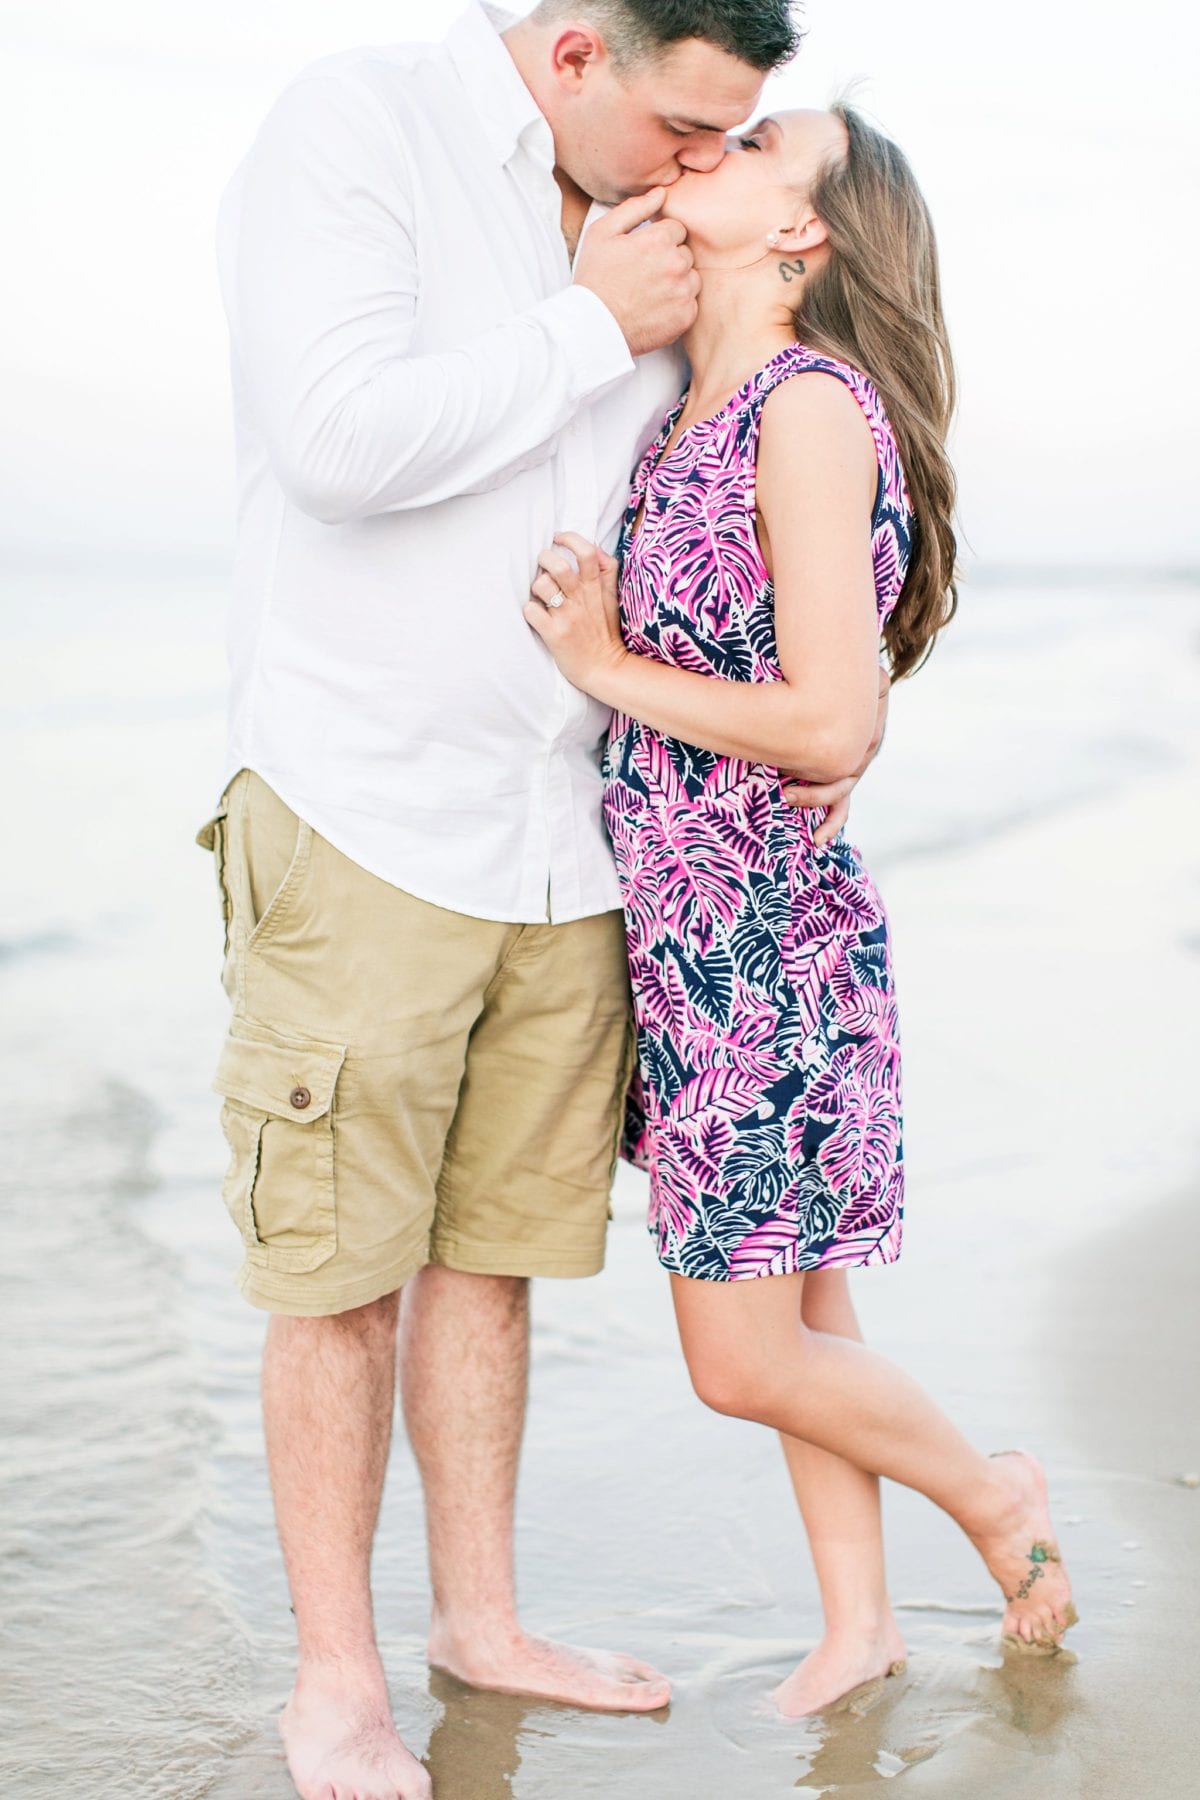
pixel 837 403
pixel 806 359
pixel 814 433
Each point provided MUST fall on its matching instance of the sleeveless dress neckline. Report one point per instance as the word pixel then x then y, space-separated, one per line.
pixel 766 1106
pixel 658 450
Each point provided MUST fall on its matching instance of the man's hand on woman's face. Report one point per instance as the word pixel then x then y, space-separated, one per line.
pixel 642 271
pixel 834 796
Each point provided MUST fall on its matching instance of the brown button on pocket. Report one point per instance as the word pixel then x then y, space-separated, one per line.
pixel 280 1187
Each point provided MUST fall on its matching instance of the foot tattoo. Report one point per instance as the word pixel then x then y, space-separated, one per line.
pixel 1041 1553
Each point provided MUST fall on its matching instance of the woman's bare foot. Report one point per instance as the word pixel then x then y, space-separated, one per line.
pixel 341 1742
pixel 1022 1554
pixel 841 1667
pixel 517 1663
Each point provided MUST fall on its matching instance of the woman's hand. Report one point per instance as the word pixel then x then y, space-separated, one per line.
pixel 575 612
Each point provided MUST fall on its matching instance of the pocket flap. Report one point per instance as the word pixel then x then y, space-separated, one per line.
pixel 208 833
pixel 291 1078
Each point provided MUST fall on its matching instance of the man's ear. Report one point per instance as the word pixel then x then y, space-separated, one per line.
pixel 806 234
pixel 571 53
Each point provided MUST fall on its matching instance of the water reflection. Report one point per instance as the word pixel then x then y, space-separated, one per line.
pixel 475 1746
pixel 1036 1694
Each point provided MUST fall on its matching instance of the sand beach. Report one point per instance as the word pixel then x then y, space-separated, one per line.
pixel 1032 826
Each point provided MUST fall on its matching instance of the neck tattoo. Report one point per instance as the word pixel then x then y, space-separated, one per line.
pixel 790 270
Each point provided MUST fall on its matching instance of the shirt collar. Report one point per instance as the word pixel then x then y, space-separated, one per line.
pixel 500 102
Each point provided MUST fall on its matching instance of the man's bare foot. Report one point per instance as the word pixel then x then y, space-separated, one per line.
pixel 1022 1555
pixel 341 1742
pixel 841 1669
pixel 513 1662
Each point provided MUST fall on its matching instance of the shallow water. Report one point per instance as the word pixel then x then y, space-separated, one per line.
pixel 1029 825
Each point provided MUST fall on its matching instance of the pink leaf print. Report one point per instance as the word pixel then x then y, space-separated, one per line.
pixel 674 1191
pixel 809 966
pixel 888 579
pixel 832 1093
pixel 677 648
pixel 881 1065
pixel 700 1147
pixel 757 1023
pixel 653 762
pixel 639 861
pixel 654 1000
pixel 807 907
pixel 621 803
pixel 769 1249
pixel 694 1031
pixel 726 777
pixel 797 1119
pixel 722 1090
pixel 701 877
pixel 862 1146
pixel 751 1044
pixel 747 845
pixel 863 1249
pixel 849 899
pixel 874 1232
pixel 763 1065
pixel 865 1011
pixel 874 1208
pixel 759 970
pixel 756 808
pixel 635 1147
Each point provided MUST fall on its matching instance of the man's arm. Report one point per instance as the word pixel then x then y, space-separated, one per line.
pixel 321 284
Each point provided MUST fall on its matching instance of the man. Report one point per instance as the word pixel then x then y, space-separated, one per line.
pixel 435 369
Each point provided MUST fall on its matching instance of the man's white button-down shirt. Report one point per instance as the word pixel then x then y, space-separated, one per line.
pixel 422 400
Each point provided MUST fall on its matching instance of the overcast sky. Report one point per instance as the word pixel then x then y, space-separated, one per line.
pixel 1053 141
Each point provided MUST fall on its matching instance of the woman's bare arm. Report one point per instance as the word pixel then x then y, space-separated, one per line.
pixel 816 485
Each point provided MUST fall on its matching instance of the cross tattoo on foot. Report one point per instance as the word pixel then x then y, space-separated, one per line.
pixel 1041 1553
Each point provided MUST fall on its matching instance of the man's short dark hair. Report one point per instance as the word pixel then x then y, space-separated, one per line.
pixel 761 33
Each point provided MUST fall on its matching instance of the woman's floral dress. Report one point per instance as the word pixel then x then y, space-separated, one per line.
pixel 767 1107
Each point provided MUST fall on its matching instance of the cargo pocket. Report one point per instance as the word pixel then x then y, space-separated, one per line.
pixel 278 1117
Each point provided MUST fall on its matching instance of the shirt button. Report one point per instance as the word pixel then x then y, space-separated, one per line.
pixel 300 1098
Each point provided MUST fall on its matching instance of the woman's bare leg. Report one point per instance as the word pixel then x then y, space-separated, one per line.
pixel 839 1503
pixel 750 1353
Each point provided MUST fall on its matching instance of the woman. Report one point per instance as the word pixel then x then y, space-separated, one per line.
pixel 775 531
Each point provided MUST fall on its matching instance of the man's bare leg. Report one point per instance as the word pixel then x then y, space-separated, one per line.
pixel 328 1394
pixel 464 1361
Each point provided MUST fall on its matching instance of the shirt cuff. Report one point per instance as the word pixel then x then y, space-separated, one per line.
pixel 590 340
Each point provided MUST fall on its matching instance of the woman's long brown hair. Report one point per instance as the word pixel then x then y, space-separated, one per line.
pixel 876 303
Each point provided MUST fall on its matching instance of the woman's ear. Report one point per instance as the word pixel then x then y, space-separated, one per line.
pixel 805 235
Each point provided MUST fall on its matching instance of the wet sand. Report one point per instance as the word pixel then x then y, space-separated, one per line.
pixel 1028 828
